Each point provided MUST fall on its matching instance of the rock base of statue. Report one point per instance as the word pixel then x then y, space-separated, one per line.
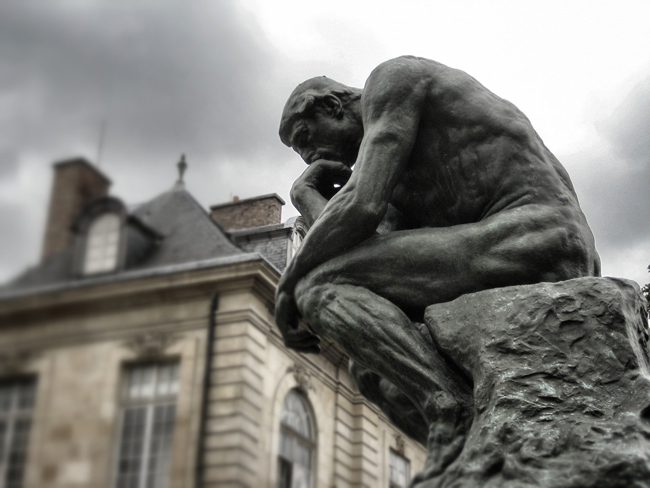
pixel 561 384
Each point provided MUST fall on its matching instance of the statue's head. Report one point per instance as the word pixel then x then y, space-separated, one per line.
pixel 322 120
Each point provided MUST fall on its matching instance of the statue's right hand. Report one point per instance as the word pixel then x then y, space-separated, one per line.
pixel 324 176
pixel 287 318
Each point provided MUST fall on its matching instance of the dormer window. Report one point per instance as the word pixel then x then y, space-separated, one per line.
pixel 109 240
pixel 102 244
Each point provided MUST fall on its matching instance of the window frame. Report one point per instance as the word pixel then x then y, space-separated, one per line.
pixel 90 213
pixel 11 418
pixel 311 444
pixel 88 241
pixel 149 403
pixel 394 453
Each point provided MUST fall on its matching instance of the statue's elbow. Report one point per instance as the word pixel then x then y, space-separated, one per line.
pixel 367 215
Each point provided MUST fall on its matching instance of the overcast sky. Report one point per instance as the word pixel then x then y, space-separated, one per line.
pixel 210 78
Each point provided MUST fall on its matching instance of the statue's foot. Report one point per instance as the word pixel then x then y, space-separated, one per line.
pixel 445 443
pixel 438 459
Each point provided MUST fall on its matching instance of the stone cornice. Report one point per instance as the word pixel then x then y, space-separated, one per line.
pixel 254 273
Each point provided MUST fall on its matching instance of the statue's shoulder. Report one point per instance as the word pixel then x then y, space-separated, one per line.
pixel 410 65
pixel 404 65
pixel 399 74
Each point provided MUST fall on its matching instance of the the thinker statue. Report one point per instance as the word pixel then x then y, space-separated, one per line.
pixel 420 188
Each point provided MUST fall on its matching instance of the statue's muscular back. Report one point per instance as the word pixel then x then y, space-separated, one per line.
pixel 475 154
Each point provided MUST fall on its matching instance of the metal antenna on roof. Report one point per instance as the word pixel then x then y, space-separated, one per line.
pixel 100 144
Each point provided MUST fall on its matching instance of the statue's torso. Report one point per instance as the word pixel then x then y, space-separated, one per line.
pixel 475 154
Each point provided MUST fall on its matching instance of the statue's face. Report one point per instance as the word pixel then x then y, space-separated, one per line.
pixel 325 136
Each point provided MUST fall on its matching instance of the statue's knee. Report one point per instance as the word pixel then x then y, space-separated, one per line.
pixel 309 296
pixel 303 292
pixel 573 253
pixel 314 297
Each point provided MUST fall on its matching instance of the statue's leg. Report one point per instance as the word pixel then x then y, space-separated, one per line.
pixel 378 334
pixel 358 299
pixel 392 401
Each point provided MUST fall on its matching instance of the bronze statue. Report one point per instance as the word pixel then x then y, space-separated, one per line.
pixel 422 187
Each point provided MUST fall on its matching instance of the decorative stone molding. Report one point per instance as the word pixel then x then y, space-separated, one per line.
pixel 14 362
pixel 399 443
pixel 303 377
pixel 151 345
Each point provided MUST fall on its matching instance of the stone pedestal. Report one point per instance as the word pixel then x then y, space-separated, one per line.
pixel 561 384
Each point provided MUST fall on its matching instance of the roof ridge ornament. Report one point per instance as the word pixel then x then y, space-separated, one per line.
pixel 182 167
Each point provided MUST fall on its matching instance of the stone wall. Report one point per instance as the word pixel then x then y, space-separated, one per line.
pixel 79 361
pixel 251 375
pixel 79 342
pixel 252 212
pixel 272 247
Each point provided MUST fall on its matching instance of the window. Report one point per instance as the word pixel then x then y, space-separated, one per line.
pixel 16 403
pixel 102 244
pixel 400 470
pixel 147 426
pixel 294 243
pixel 296 443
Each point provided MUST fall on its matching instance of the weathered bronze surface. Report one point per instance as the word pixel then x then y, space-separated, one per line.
pixel 421 188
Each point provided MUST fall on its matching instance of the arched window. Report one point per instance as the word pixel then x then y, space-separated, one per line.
pixel 297 443
pixel 102 244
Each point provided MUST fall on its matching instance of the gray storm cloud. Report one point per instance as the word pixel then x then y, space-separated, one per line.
pixel 201 78
pixel 166 77
pixel 161 77
pixel 621 195
pixel 614 180
pixel 629 129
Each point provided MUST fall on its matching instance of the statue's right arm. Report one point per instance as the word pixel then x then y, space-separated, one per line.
pixel 395 95
pixel 316 186
pixel 393 99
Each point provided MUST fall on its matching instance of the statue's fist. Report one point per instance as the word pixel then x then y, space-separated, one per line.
pixel 325 176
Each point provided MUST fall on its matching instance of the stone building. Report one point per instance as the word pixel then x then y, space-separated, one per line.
pixel 141 352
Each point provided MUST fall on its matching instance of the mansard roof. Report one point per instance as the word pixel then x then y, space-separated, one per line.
pixel 179 229
pixel 188 232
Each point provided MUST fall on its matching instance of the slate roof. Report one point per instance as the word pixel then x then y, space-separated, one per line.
pixel 186 233
pixel 271 241
pixel 55 269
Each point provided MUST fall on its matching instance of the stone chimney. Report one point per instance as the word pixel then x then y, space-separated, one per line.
pixel 251 212
pixel 76 183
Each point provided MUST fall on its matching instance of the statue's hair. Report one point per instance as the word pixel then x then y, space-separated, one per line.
pixel 308 95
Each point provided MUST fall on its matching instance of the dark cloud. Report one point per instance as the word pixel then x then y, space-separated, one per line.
pixel 624 196
pixel 617 204
pixel 200 78
pixel 165 77
pixel 614 184
pixel 8 163
pixel 17 244
pixel 629 128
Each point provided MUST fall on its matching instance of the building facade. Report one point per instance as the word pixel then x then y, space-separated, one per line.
pixel 142 352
